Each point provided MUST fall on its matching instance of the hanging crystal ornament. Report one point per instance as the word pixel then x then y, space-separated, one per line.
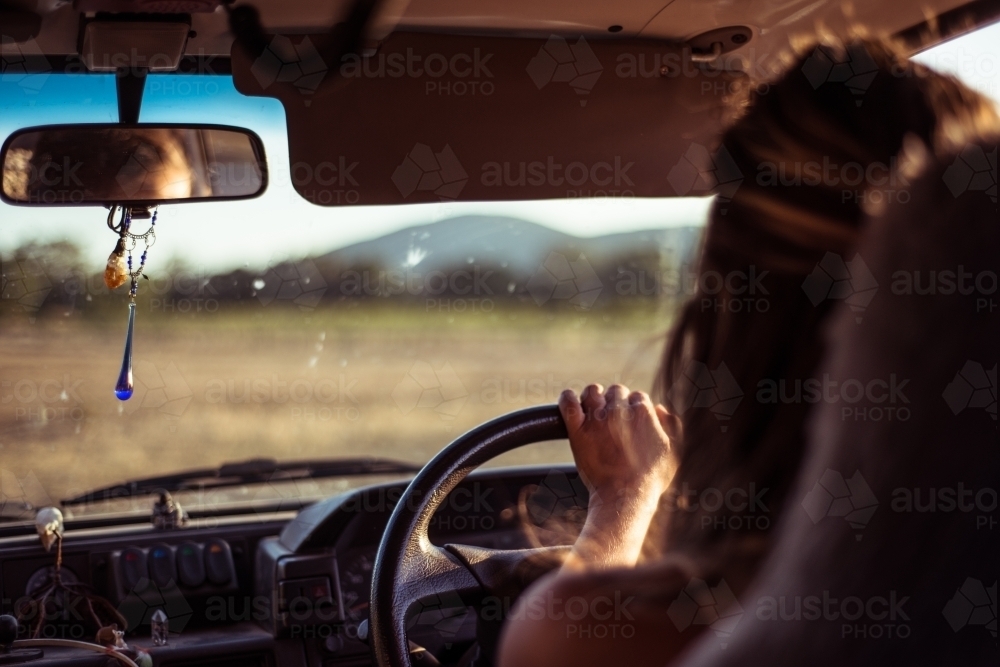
pixel 124 387
pixel 122 255
pixel 115 272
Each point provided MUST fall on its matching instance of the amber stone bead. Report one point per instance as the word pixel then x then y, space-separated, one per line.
pixel 116 272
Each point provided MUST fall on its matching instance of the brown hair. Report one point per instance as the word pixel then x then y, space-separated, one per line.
pixel 858 115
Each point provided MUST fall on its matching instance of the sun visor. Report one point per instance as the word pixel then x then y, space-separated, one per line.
pixel 430 117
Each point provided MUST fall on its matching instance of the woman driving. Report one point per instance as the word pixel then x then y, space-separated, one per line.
pixel 673 493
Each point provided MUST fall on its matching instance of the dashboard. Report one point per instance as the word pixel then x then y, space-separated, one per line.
pixel 281 588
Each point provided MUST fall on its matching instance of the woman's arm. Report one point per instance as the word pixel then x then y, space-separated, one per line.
pixel 621 445
pixel 596 609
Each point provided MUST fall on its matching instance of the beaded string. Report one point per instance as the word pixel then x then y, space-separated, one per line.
pixel 148 238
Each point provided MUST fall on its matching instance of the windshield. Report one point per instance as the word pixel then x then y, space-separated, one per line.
pixel 278 328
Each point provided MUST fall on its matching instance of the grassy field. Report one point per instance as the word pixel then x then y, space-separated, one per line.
pixel 356 380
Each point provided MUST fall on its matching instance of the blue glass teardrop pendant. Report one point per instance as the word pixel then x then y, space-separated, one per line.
pixel 123 390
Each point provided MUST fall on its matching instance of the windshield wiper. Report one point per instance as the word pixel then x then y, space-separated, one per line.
pixel 254 471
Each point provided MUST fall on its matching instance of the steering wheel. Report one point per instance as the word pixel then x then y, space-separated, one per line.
pixel 408 568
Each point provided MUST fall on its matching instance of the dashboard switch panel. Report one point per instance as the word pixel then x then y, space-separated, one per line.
pixel 187 568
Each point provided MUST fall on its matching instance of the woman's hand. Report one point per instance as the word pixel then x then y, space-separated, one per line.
pixel 620 440
pixel 622 446
pixel 621 443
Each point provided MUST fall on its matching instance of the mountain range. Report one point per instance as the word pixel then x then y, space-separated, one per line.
pixel 515 244
pixel 468 256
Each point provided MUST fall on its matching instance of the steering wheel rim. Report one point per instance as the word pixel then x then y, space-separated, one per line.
pixel 407 566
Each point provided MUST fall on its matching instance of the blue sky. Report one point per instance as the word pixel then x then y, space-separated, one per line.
pixel 280 224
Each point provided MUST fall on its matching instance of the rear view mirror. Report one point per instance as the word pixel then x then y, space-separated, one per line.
pixel 66 165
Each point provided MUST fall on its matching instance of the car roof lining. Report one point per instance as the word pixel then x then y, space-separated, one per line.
pixel 921 24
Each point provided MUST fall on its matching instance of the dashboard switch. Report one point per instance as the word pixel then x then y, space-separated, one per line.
pixel 133 567
pixel 162 569
pixel 218 562
pixel 190 565
pixel 301 596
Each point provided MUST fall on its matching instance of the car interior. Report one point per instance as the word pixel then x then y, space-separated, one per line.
pixel 364 500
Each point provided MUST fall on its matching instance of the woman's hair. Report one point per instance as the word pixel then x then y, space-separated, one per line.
pixel 934 563
pixel 815 149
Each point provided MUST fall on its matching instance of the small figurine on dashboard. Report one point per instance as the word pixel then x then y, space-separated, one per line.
pixel 168 513
pixel 111 637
